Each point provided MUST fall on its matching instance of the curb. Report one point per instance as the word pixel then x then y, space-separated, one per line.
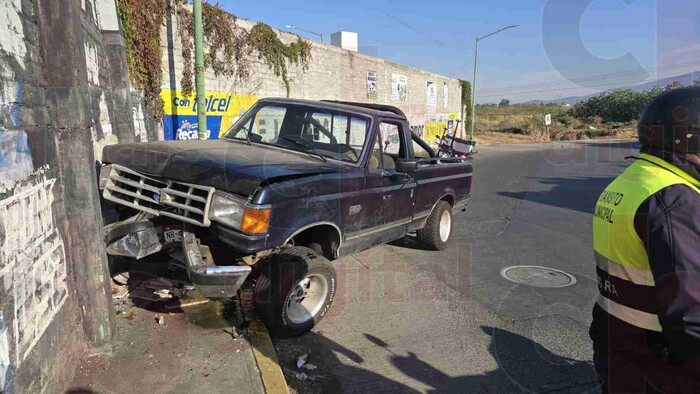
pixel 266 358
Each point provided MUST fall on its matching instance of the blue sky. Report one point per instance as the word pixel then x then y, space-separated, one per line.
pixel 536 60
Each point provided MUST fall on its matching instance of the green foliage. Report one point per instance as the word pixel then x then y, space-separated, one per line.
pixel 275 53
pixel 564 119
pixel 141 22
pixel 466 102
pixel 618 106
pixel 231 47
pixel 504 103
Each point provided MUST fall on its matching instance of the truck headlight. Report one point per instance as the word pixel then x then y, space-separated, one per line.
pixel 234 212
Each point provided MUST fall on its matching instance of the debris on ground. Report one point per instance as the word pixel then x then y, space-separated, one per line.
pixel 301 376
pixel 130 316
pixel 310 367
pixel 185 304
pixel 301 360
pixel 160 320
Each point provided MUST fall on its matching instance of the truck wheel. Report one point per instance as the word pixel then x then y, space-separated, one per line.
pixel 293 291
pixel 438 227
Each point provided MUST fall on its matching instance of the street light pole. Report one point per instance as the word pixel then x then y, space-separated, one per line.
pixel 476 56
pixel 308 31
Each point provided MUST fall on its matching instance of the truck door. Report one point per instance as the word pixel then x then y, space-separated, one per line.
pixel 389 192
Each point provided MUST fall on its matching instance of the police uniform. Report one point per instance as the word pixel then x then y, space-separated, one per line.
pixel 646 237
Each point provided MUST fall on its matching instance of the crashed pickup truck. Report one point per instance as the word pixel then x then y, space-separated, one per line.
pixel 291 185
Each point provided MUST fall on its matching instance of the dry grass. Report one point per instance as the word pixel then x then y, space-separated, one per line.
pixel 517 125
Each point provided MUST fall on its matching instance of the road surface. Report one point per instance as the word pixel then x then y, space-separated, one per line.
pixel 410 320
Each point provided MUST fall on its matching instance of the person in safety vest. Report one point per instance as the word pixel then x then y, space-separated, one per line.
pixel 646 236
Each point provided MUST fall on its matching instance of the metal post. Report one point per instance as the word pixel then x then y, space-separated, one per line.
pixel 199 70
pixel 476 55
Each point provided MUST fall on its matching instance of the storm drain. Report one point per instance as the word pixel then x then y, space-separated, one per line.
pixel 531 275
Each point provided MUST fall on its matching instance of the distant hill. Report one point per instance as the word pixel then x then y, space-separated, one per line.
pixel 685 80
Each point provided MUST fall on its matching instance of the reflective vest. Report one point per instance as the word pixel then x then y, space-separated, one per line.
pixel 625 279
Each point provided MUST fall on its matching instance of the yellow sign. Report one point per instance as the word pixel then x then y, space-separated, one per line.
pixel 180 119
pixel 435 130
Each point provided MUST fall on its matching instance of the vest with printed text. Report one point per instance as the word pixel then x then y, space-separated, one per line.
pixel 625 279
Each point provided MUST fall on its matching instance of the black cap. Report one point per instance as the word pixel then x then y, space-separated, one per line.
pixel 671 122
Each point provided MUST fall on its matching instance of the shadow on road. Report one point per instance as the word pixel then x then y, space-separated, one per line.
pixel 573 193
pixel 523 366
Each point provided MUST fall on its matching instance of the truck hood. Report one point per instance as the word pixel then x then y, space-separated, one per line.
pixel 225 165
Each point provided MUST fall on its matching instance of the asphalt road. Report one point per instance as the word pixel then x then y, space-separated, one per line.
pixel 410 320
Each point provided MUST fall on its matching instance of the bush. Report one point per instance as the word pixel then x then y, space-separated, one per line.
pixel 564 119
pixel 618 106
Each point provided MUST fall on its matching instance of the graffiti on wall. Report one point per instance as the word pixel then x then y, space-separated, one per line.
pixel 15 158
pixel 180 119
pixel 32 263
pixel 431 101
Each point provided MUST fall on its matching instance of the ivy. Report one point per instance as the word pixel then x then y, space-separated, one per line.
pixel 276 54
pixel 466 101
pixel 141 22
pixel 230 47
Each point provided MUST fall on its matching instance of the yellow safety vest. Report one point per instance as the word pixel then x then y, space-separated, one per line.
pixel 625 279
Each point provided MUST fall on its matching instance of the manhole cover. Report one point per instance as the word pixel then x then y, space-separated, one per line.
pixel 538 276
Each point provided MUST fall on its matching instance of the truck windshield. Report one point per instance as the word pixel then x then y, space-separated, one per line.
pixel 327 133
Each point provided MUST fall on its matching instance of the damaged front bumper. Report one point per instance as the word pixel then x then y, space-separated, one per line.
pixel 213 281
pixel 138 237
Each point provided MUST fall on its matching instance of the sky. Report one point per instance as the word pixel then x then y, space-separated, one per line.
pixel 562 48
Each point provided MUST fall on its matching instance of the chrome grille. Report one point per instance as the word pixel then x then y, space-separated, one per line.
pixel 177 200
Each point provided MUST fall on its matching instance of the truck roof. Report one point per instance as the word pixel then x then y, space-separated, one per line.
pixel 386 111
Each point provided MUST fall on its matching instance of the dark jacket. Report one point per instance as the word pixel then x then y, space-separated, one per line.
pixel 668 223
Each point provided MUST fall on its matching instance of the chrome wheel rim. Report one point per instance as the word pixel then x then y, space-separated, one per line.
pixel 306 298
pixel 445 226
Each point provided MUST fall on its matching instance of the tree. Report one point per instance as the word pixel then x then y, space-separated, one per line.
pixel 504 103
pixel 671 86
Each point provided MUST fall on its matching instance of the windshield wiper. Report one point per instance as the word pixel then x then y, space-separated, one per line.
pixel 304 144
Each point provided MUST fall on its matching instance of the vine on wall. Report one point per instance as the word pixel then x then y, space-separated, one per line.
pixel 141 22
pixel 231 48
pixel 466 102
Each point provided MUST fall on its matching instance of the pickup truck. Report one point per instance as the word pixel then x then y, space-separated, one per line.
pixel 290 186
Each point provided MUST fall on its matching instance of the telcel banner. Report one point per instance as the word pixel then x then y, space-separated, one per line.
pixel 180 119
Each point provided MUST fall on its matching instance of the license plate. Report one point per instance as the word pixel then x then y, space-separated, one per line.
pixel 172 235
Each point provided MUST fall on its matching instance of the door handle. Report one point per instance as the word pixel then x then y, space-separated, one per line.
pixel 386 196
pixel 386 174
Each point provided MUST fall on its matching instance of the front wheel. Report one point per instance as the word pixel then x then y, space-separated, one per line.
pixel 438 227
pixel 294 289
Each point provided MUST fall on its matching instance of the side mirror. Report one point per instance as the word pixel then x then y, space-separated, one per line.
pixel 406 165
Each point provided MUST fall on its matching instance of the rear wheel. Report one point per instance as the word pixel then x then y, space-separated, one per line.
pixel 438 227
pixel 294 289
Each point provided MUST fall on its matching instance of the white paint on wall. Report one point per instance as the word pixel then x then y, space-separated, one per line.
pixel 5 363
pixel 107 14
pixel 12 37
pixel 92 63
pixel 32 263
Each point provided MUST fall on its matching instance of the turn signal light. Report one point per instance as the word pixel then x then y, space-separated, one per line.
pixel 255 221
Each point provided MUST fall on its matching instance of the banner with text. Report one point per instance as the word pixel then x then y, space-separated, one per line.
pixel 180 119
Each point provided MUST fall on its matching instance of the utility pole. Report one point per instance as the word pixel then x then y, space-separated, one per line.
pixel 199 70
pixel 476 56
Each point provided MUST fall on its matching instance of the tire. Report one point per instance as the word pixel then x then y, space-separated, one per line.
pixel 294 289
pixel 431 235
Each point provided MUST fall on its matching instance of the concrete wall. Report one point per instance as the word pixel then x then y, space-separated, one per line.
pixel 333 73
pixel 63 92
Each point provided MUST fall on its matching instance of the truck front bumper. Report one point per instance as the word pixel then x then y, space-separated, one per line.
pixel 212 281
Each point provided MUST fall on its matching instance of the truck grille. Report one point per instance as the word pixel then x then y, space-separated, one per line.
pixel 177 200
